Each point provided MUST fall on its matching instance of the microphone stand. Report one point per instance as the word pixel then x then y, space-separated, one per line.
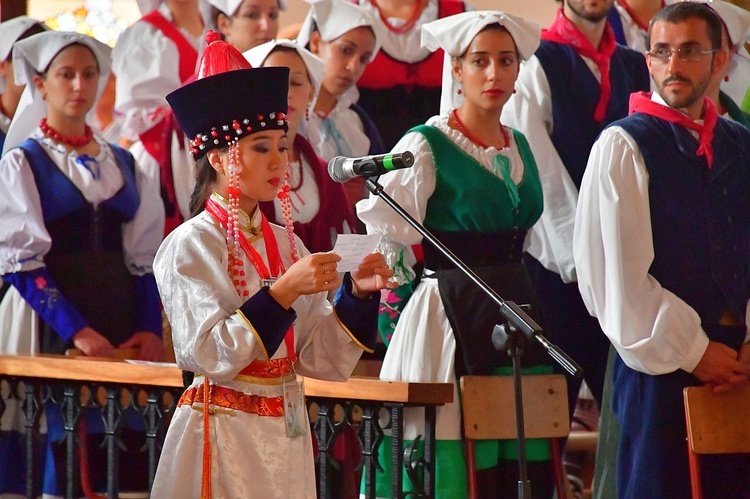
pixel 510 336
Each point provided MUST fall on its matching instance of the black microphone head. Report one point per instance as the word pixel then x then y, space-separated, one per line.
pixel 408 159
pixel 336 169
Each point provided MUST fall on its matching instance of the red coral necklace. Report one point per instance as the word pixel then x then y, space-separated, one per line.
pixel 410 23
pixel 78 141
pixel 462 128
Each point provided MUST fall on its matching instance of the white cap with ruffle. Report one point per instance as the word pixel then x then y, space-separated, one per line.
pixel 256 56
pixel 10 30
pixel 32 56
pixel 455 33
pixel 333 18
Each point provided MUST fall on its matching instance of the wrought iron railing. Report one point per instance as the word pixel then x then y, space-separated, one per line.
pixel 363 407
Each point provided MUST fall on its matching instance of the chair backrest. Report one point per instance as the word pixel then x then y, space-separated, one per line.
pixel 717 423
pixel 488 405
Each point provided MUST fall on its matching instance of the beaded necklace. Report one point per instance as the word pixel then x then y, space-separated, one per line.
pixel 79 141
pixel 462 128
pixel 410 23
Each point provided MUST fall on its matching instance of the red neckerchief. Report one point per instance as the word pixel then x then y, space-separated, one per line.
pixel 640 102
pixel 272 251
pixel 565 32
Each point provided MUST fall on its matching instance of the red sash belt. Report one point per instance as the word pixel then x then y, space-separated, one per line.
pixel 274 368
pixel 227 398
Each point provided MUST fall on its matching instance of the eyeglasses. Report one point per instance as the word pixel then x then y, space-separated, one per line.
pixel 687 54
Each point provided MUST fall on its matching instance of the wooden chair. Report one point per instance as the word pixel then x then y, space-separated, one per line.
pixel 717 423
pixel 488 406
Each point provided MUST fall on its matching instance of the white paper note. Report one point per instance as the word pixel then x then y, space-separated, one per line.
pixel 353 248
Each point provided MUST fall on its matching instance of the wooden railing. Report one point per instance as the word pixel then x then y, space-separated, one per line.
pixel 113 387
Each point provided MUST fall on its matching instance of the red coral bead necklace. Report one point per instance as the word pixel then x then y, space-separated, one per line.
pixel 76 141
pixel 462 128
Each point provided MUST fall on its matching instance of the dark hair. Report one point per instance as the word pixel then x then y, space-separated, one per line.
pixel 32 30
pixel 214 16
pixel 205 178
pixel 682 11
pixel 492 27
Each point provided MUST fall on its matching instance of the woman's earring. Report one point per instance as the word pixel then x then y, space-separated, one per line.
pixel 307 113
pixel 459 91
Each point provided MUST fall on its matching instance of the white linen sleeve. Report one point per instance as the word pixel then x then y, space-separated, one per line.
pixel 409 187
pixel 201 303
pixel 142 236
pixel 24 239
pixel 529 111
pixel 146 67
pixel 653 330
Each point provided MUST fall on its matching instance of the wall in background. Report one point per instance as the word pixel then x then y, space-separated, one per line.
pixel 540 10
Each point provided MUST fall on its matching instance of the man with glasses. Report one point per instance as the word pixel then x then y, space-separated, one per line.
pixel 661 247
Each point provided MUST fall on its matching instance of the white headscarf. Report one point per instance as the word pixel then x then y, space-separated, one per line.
pixel 256 56
pixel 334 18
pixel 33 56
pixel 454 34
pixel 10 30
pixel 229 7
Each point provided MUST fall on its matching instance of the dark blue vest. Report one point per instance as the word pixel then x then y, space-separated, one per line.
pixel 614 20
pixel 73 223
pixel 575 93
pixel 700 217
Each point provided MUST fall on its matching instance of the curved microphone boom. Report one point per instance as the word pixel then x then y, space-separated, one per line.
pixel 342 169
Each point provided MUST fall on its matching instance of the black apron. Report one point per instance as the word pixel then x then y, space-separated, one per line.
pixel 496 259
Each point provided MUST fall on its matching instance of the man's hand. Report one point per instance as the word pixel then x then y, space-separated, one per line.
pixel 721 368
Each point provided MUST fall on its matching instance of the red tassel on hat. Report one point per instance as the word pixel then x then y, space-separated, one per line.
pixel 220 57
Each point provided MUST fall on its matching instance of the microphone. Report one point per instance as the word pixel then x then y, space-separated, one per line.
pixel 342 169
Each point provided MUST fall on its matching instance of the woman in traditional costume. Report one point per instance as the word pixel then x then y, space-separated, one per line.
pixel 82 223
pixel 247 302
pixel 346 37
pixel 474 185
pixel 317 204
